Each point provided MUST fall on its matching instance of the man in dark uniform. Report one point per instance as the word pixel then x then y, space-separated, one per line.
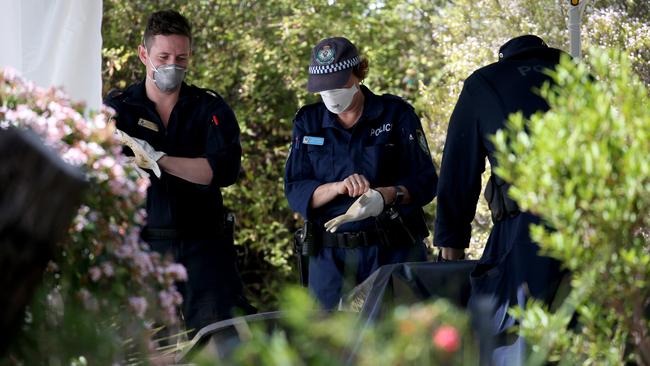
pixel 359 172
pixel 510 269
pixel 189 138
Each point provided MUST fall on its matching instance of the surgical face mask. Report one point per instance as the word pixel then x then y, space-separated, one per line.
pixel 168 77
pixel 338 100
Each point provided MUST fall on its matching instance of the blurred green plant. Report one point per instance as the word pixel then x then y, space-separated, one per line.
pixel 583 167
pixel 425 334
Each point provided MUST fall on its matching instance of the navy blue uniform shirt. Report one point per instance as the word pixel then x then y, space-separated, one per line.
pixel 387 146
pixel 200 125
pixel 488 97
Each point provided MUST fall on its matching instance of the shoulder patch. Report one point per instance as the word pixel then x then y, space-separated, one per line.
pixel 397 99
pixel 115 93
pixel 422 141
pixel 212 93
pixel 306 109
pixel 392 96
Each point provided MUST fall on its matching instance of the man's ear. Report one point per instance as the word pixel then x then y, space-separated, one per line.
pixel 142 54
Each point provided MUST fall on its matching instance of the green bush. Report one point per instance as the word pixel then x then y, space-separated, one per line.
pixel 425 334
pixel 583 167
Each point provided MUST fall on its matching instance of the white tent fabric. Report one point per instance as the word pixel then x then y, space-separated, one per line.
pixel 55 43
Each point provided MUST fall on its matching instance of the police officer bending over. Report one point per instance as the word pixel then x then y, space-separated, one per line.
pixel 510 269
pixel 189 138
pixel 359 172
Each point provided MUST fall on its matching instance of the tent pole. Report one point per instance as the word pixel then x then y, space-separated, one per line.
pixel 576 9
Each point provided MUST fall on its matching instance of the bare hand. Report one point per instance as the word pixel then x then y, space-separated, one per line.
pixel 452 254
pixel 354 185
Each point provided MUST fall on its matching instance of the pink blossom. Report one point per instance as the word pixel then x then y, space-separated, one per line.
pixel 166 299
pixel 95 273
pixel 118 188
pixel 140 216
pixel 143 263
pixel 9 73
pixel 99 121
pixel 87 299
pixel 107 269
pixel 446 338
pixel 124 251
pixel 75 156
pixel 94 148
pixel 139 305
pixel 107 224
pixel 176 271
pixel 118 172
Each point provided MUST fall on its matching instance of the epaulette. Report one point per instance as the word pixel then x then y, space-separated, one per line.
pixel 393 96
pixel 398 99
pixel 304 109
pixel 115 93
pixel 210 92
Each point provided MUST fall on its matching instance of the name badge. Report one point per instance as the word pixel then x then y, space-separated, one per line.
pixel 313 140
pixel 147 124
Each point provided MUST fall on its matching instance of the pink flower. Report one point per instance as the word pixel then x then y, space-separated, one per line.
pixel 143 263
pixel 176 271
pixel 9 73
pixel 75 156
pixel 87 299
pixel 170 297
pixel 95 273
pixel 166 299
pixel 138 304
pixel 446 338
pixel 107 269
pixel 124 251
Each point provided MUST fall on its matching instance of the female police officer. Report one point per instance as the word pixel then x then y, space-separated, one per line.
pixel 359 171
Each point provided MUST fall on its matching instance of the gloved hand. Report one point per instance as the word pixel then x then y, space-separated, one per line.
pixel 146 156
pixel 369 204
pixel 141 172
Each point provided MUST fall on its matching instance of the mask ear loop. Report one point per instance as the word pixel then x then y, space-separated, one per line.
pixel 155 69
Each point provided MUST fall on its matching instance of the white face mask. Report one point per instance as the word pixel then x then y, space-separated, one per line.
pixel 338 100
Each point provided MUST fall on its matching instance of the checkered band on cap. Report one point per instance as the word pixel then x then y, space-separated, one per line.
pixel 328 69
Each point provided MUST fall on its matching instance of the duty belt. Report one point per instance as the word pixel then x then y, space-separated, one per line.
pixel 351 239
pixel 159 234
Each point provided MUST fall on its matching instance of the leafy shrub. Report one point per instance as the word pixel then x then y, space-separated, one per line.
pixel 583 167
pixel 425 334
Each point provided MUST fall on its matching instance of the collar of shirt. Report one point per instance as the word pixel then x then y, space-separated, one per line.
pixel 372 108
pixel 139 94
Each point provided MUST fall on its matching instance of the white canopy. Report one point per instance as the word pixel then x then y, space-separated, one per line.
pixel 55 43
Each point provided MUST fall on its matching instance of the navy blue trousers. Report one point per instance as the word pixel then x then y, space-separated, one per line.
pixel 337 270
pixel 508 274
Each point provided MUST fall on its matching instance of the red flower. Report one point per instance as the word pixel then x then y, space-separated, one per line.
pixel 446 338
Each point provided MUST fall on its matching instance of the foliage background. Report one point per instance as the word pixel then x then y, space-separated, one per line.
pixel 255 55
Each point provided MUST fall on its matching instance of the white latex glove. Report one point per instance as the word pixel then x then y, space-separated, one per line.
pixel 369 204
pixel 146 156
pixel 141 172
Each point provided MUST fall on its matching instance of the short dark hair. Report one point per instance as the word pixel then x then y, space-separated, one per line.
pixel 166 22
pixel 361 70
